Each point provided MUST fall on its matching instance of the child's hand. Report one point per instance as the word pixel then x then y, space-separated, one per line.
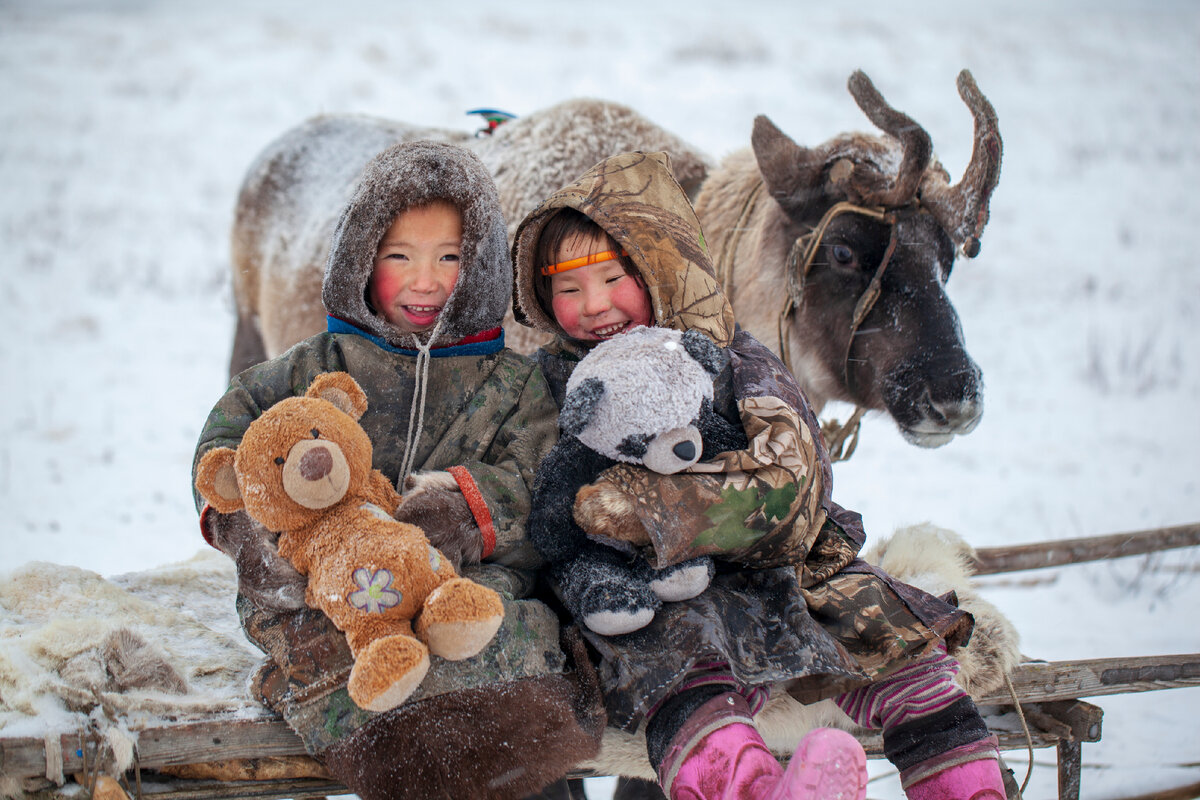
pixel 265 578
pixel 433 502
pixel 606 511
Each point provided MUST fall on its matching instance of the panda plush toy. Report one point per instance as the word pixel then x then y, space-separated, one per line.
pixel 644 397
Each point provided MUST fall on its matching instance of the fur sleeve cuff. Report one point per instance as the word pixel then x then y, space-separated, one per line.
pixel 474 498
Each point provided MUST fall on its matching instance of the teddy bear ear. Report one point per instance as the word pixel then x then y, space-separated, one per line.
pixel 579 405
pixel 705 351
pixel 341 390
pixel 216 480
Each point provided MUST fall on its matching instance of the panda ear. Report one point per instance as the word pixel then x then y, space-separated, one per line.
pixel 579 406
pixel 705 351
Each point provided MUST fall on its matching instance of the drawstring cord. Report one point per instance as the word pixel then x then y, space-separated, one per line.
pixel 1012 692
pixel 417 411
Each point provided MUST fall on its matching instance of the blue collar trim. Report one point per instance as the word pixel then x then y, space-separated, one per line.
pixel 484 348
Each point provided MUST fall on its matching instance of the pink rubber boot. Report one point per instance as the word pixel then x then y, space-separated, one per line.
pixel 719 755
pixel 970 772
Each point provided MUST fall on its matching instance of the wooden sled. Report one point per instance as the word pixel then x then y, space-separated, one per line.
pixel 263 758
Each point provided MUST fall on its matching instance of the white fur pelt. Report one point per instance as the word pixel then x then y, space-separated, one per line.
pixel 931 558
pixel 79 651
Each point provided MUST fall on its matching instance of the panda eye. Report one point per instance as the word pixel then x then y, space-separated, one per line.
pixel 316 433
pixel 280 460
pixel 634 446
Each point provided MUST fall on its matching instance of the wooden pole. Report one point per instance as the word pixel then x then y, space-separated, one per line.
pixel 1189 792
pixel 992 560
pixel 1043 681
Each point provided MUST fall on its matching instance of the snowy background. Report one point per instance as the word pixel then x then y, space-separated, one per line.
pixel 126 127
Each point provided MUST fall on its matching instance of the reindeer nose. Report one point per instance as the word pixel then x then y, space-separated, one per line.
pixel 316 463
pixel 686 451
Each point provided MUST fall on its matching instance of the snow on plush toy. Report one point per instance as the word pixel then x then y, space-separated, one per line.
pixel 644 397
pixel 303 469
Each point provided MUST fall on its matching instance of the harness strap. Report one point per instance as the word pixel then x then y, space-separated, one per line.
pixel 730 245
pixel 867 301
pixel 799 263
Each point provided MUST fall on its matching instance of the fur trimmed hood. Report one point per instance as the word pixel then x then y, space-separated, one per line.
pixel 401 177
pixel 636 199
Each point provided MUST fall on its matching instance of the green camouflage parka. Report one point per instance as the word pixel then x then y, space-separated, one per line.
pixel 791 603
pixel 479 406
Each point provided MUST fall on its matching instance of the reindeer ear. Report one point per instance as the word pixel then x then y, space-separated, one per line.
pixel 705 351
pixel 216 480
pixel 341 390
pixel 580 405
pixel 791 173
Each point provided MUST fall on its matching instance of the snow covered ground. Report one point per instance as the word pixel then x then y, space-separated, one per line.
pixel 126 126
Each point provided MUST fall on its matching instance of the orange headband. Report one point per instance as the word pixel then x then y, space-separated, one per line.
pixel 582 261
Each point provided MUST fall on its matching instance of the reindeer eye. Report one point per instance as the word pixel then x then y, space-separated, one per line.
pixel 280 460
pixel 842 254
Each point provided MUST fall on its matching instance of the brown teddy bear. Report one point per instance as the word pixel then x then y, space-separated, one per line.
pixel 303 469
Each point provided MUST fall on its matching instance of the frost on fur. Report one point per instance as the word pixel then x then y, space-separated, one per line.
pixel 939 561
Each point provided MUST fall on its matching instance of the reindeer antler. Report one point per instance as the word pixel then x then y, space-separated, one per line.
pixel 871 186
pixel 962 209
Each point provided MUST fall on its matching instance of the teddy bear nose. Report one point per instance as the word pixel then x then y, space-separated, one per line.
pixel 316 463
pixel 686 451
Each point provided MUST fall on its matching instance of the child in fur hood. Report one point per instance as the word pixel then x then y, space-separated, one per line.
pixel 622 247
pixel 416 285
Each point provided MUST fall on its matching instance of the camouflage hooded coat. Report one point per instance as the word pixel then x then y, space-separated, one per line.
pixel 485 411
pixel 808 614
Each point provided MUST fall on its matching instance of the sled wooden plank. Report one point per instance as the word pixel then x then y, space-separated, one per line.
pixel 1061 552
pixel 1061 680
pixel 210 741
pixel 165 788
pixel 1052 724
pixel 298 789
pixel 185 743
pixel 224 740
pixel 195 743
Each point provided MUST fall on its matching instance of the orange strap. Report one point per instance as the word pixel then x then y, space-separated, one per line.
pixel 474 498
pixel 582 261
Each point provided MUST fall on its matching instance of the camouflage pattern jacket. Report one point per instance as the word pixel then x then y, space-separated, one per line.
pixel 481 407
pixel 490 412
pixel 807 613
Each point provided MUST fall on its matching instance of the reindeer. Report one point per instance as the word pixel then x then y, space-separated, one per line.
pixel 837 256
pixel 860 254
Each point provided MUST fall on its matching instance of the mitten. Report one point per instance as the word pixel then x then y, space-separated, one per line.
pixel 434 502
pixel 608 513
pixel 265 578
